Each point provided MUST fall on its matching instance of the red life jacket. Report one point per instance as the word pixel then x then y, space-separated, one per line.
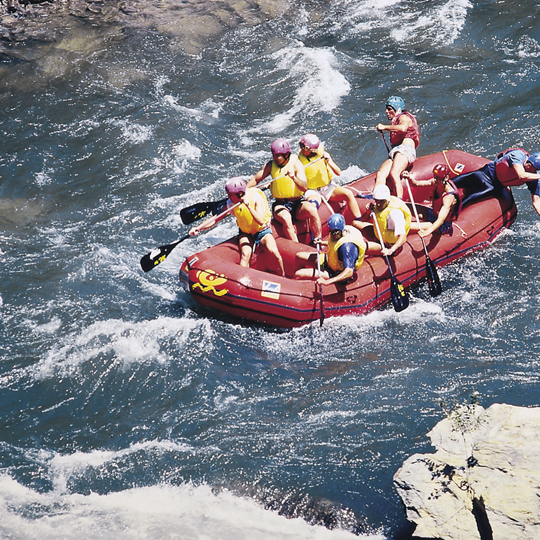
pixel 504 172
pixel 458 193
pixel 396 137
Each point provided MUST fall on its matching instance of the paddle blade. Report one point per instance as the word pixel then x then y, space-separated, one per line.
pixel 158 255
pixel 199 210
pixel 400 298
pixel 434 283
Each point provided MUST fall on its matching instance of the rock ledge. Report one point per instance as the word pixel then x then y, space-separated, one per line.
pixel 483 481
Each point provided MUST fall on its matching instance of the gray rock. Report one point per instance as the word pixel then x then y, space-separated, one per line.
pixel 483 481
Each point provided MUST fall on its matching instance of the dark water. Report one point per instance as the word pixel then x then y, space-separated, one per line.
pixel 129 412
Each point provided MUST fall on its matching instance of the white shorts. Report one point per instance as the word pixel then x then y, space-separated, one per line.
pixel 405 149
pixel 325 191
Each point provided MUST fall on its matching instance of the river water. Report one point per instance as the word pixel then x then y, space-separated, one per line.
pixel 127 411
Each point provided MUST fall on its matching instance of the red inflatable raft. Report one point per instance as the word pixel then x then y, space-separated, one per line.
pixel 216 280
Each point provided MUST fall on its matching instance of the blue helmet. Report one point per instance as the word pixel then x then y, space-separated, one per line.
pixel 396 103
pixel 336 222
pixel 534 160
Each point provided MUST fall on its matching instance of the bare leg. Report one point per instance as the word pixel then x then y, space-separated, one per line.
pixel 284 217
pixel 345 195
pixel 399 164
pixel 269 243
pixel 383 172
pixel 246 250
pixel 309 211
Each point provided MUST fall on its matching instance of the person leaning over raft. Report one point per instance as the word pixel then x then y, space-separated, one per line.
pixel 513 167
pixel 288 189
pixel 253 218
pixel 393 217
pixel 446 202
pixel 320 169
pixel 345 255
pixel 404 140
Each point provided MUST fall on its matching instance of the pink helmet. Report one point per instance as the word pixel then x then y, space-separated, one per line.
pixel 311 141
pixel 236 185
pixel 280 146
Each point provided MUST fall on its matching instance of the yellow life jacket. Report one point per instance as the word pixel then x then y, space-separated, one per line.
pixel 350 234
pixel 244 218
pixel 318 175
pixel 284 188
pixel 388 236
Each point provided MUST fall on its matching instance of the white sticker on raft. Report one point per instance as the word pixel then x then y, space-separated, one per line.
pixel 271 290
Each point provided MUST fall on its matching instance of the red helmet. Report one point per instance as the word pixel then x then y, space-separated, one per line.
pixel 440 171
pixel 236 185
pixel 280 146
pixel 310 141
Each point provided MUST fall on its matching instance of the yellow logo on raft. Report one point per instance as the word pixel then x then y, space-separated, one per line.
pixel 209 280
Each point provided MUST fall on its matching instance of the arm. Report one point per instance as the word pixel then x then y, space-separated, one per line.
pixel 396 222
pixel 347 253
pixel 299 175
pixel 441 218
pixel 402 238
pixel 536 203
pixel 260 175
pixel 345 274
pixel 257 210
pixel 209 223
pixel 408 175
pixel 404 123
pixel 523 174
pixel 331 164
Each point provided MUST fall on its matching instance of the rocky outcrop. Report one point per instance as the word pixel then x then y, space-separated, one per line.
pixel 483 481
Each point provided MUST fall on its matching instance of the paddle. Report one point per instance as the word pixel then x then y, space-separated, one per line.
pixel 158 255
pixel 385 143
pixel 434 283
pixel 400 298
pixel 320 284
pixel 199 210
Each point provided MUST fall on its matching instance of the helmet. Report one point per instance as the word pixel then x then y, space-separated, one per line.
pixel 440 171
pixel 310 141
pixel 236 185
pixel 534 160
pixel 381 192
pixel 396 103
pixel 336 222
pixel 281 146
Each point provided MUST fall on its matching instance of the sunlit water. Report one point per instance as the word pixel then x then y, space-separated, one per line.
pixel 130 412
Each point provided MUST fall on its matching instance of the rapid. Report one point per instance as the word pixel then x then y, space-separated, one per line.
pixel 130 412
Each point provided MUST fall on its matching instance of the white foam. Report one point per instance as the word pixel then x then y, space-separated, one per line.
pixel 132 132
pixel 322 84
pixel 161 512
pixel 127 342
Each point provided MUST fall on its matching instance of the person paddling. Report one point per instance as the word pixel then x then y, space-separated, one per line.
pixel 404 140
pixel 253 215
pixel 320 169
pixel 446 202
pixel 393 218
pixel 345 255
pixel 288 189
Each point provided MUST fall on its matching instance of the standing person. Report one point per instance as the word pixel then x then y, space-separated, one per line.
pixel 404 140
pixel 345 255
pixel 446 202
pixel 393 217
pixel 288 189
pixel 320 169
pixel 512 167
pixel 253 218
